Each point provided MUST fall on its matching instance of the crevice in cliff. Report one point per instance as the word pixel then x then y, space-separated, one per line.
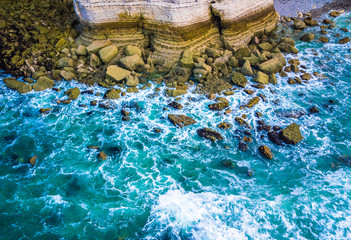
pixel 216 18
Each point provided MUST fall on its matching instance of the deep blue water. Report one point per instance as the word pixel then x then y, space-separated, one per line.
pixel 173 185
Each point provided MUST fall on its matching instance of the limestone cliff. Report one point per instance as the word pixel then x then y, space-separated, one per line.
pixel 170 26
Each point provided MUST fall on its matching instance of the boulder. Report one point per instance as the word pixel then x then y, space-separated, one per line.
pixel 102 155
pixel 94 60
pixel 273 79
pixel 117 74
pixel 239 79
pixel 132 81
pixel 181 120
pixel 209 134
pixel 265 47
pixel 324 39
pixel 81 50
pixel 43 83
pixel 261 78
pixel 246 69
pixel 19 86
pixel 131 62
pixel 132 50
pixel 253 102
pixel 65 62
pixel 285 47
pixel 299 24
pixel 73 93
pixel 242 52
pixel 175 92
pixel 291 134
pixel 68 76
pixel 212 53
pixel 112 94
pixel 287 40
pixel 275 137
pixel 108 53
pixel 265 151
pixel 308 37
pixel 97 45
pixel 222 104
pixel 271 66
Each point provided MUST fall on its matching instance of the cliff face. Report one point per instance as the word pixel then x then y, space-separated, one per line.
pixel 170 26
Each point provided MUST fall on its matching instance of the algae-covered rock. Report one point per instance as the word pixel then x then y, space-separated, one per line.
pixel 239 79
pixel 344 40
pixel 242 52
pixel 246 69
pixel 242 122
pixel 224 125
pixel 43 83
pixel 265 151
pixel 132 50
pixel 132 81
pixel 253 102
pixel 175 92
pixel 212 53
pixel 181 120
pixel 284 47
pixel 220 105
pixel 19 86
pixel 131 62
pixel 287 40
pixel 73 93
pixel 112 94
pixel 108 53
pixel 209 134
pixel 308 37
pixel 324 39
pixel 291 134
pixel 261 78
pixel 97 45
pixel 265 46
pixel 117 74
pixel 175 105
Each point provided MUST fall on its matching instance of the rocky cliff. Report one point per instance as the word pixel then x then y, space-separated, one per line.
pixel 170 26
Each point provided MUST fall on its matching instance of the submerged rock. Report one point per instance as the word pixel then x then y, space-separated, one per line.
pixel 291 134
pixel 275 137
pixel 209 134
pixel 181 120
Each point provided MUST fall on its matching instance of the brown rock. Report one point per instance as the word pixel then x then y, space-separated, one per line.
pixel 209 134
pixel 266 152
pixel 180 120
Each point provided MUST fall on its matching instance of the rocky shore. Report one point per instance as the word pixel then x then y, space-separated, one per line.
pixel 38 43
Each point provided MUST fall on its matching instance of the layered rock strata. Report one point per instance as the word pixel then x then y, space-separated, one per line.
pixel 170 26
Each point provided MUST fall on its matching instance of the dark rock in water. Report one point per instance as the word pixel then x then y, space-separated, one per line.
pixel 246 132
pixel 253 102
pixel 335 13
pixel 275 137
pixel 224 125
pixel 125 112
pixel 93 103
pixel 45 110
pixel 112 94
pixel 73 93
pixel 276 128
pixel 242 122
pixel 346 160
pixel 158 130
pixel 175 105
pixel 308 37
pixel 292 114
pixel 209 134
pixel 314 110
pixel 32 161
pixel 328 21
pixel 125 118
pixel 90 92
pixel 344 40
pixel 19 86
pixel 106 105
pixel 222 104
pixel 310 22
pixel 180 120
pixel 243 146
pixel 291 134
pixel 324 39
pixel 102 155
pixel 93 147
pixel 266 152
pixel 90 113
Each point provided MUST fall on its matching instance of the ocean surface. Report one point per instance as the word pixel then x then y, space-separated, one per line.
pixel 174 184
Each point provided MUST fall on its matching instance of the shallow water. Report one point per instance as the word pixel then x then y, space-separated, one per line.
pixel 174 185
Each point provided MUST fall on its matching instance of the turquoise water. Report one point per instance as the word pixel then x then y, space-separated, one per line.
pixel 174 185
